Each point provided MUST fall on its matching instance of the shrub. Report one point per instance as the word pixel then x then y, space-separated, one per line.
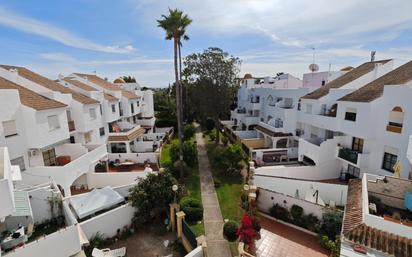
pixel 279 212
pixel 296 212
pixel 189 131
pixel 225 141
pixel 229 230
pixel 311 222
pixel 97 241
pixel 229 160
pixel 192 208
pixel 189 153
pixel 209 124
pixel 245 232
pixel 332 245
pixel 331 224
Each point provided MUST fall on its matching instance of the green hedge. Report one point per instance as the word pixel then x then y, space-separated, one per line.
pixel 229 230
pixel 192 208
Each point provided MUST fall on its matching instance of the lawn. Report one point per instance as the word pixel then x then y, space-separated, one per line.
pixel 228 193
pixel 191 182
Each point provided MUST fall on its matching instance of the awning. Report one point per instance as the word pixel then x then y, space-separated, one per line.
pixel 94 201
pixel 22 204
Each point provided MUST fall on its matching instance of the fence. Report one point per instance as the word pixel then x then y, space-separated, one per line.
pixel 188 233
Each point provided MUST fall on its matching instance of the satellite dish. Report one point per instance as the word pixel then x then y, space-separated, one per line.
pixel 313 67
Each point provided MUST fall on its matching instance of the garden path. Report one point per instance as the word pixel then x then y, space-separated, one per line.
pixel 217 246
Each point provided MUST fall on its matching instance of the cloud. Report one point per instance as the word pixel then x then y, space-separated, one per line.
pixel 36 27
pixel 294 23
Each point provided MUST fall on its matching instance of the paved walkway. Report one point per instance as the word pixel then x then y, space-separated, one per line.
pixel 217 246
pixel 279 240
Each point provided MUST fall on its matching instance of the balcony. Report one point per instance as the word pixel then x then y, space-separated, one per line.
pixel 125 131
pixel 81 159
pixel 278 128
pixel 348 155
pixel 72 127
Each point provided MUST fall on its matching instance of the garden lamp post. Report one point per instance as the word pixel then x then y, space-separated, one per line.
pixel 174 189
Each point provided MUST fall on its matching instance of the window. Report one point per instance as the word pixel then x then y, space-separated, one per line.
pixel 92 113
pixel 323 82
pixel 357 144
pixel 323 109
pixel 132 107
pixel 101 111
pixel 350 114
pixel 113 108
pixel 389 161
pixel 53 122
pixel 87 137
pixel 9 128
pixel 354 171
pixel 20 162
pixel 49 157
pixel 101 130
pixel 395 123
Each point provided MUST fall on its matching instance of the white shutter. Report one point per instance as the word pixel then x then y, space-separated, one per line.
pixel 9 128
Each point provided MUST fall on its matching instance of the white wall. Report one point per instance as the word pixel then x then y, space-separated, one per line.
pixel 114 179
pixel 63 243
pixel 109 222
pixel 265 202
pixel 327 192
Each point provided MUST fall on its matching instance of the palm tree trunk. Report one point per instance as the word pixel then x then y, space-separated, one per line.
pixel 178 100
pixel 180 78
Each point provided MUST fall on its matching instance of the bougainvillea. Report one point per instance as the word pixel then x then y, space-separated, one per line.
pixel 246 232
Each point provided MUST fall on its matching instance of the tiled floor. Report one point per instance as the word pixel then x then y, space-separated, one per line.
pixel 278 240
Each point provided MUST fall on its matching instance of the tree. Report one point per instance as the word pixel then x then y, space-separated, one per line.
pixel 212 78
pixel 129 79
pixel 165 109
pixel 229 160
pixel 175 25
pixel 151 195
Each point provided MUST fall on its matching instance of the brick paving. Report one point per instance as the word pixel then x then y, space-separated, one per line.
pixel 217 246
pixel 279 240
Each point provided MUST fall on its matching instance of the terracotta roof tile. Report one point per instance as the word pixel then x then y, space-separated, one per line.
pixel 131 136
pixel 31 99
pixel 374 89
pixel 80 85
pixel 129 95
pixel 107 85
pixel 99 81
pixel 50 84
pixel 110 97
pixel 271 133
pixel 344 79
pixel 361 234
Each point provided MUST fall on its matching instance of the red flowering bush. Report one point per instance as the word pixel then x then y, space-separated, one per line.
pixel 246 232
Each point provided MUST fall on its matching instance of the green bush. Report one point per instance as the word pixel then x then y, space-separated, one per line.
pixel 332 245
pixel 331 224
pixel 192 208
pixel 296 212
pixel 189 153
pixel 279 212
pixel 189 131
pixel 229 230
pixel 225 141
pixel 229 160
pixel 209 124
pixel 97 241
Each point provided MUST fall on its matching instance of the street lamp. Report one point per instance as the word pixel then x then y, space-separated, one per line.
pixel 174 189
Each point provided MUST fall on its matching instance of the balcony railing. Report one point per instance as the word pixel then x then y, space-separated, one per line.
pixel 72 127
pixel 349 155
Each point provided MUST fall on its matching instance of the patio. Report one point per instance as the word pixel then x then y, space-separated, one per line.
pixel 279 240
pixel 148 242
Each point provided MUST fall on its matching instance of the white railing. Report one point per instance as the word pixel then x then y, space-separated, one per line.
pixel 134 157
pixel 270 127
pixel 136 127
pixel 67 174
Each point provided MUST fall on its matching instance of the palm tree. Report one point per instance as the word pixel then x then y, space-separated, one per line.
pixel 182 87
pixel 175 25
